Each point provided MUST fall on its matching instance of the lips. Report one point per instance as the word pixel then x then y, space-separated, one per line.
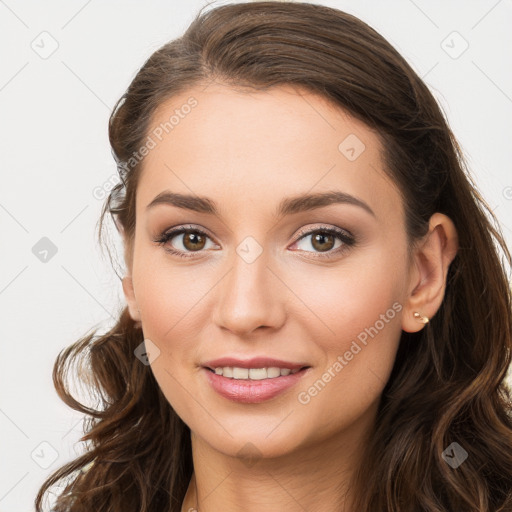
pixel 252 391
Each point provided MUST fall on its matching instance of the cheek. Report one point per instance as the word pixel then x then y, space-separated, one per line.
pixel 349 299
pixel 170 299
pixel 360 308
pixel 169 295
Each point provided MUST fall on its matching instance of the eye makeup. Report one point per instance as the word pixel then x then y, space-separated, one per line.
pixel 347 240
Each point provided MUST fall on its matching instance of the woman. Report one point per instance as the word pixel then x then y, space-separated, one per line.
pixel 317 314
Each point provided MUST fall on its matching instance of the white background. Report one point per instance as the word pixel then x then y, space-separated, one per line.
pixel 55 152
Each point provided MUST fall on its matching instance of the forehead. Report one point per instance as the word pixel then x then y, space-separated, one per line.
pixel 246 147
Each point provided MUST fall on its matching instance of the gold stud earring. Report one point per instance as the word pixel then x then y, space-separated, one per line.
pixel 421 318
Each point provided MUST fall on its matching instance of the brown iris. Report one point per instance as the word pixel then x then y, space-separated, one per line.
pixel 319 241
pixel 193 241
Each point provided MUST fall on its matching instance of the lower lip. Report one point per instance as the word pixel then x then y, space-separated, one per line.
pixel 252 391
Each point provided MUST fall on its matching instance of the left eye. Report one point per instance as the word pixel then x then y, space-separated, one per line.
pixel 321 241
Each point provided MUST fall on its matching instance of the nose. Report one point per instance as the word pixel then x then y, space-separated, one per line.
pixel 250 296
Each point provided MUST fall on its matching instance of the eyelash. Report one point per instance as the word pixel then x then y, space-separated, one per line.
pixel 346 237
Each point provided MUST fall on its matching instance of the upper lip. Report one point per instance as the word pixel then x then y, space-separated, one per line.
pixel 255 362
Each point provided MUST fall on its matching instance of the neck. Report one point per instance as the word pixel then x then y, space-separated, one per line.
pixel 190 500
pixel 314 478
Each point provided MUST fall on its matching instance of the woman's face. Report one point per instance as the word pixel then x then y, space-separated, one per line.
pixel 266 280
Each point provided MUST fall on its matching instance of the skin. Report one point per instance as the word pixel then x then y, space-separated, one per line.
pixel 247 151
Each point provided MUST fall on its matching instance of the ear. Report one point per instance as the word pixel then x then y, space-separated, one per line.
pixel 129 294
pixel 430 263
pixel 127 281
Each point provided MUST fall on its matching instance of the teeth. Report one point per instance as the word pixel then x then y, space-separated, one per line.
pixel 253 373
pixel 240 373
pixel 257 373
pixel 273 372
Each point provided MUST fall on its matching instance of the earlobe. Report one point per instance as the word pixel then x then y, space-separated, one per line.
pixel 414 322
pixel 129 294
pixel 420 318
pixel 432 259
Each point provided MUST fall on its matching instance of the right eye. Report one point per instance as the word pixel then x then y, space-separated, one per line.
pixel 192 240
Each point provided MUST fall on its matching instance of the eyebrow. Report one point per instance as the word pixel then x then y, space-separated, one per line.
pixel 288 206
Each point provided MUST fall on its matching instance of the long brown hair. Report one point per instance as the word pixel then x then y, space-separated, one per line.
pixel 447 383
